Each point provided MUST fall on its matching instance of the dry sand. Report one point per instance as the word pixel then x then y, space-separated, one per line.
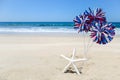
pixel 37 57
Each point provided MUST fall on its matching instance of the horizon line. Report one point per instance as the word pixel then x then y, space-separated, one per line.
pixel 45 21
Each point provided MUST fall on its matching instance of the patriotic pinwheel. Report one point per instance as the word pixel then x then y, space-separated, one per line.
pixel 80 22
pixel 95 22
pixel 102 34
pixel 95 16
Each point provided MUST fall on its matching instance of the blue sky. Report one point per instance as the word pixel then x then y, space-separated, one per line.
pixel 54 10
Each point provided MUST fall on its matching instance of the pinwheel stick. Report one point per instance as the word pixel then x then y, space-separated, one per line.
pixel 87 44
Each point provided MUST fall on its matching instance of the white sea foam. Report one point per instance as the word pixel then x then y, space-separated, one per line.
pixel 117 31
pixel 41 29
pixel 64 30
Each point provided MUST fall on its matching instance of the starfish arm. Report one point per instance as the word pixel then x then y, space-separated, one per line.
pixel 76 69
pixel 66 67
pixel 65 57
pixel 73 55
pixel 84 59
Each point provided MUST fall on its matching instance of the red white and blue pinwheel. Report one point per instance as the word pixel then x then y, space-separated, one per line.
pixel 94 21
pixel 95 15
pixel 81 23
pixel 102 34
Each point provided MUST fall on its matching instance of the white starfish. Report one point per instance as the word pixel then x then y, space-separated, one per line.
pixel 72 61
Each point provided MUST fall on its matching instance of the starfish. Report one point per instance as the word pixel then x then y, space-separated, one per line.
pixel 72 61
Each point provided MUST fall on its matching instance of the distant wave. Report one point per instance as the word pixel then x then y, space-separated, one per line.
pixel 36 24
pixel 36 29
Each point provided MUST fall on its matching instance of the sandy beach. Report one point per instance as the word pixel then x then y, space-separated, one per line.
pixel 37 57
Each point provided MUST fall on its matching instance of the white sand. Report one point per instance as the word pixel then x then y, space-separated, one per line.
pixel 37 57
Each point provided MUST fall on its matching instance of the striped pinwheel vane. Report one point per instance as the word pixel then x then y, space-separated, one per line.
pixel 94 21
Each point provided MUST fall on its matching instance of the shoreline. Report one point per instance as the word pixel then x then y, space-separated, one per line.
pixel 47 33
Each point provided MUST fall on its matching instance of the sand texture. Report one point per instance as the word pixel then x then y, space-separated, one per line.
pixel 37 57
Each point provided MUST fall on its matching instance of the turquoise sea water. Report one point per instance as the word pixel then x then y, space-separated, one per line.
pixel 36 27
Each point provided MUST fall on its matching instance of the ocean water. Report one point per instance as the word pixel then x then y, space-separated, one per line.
pixel 37 27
